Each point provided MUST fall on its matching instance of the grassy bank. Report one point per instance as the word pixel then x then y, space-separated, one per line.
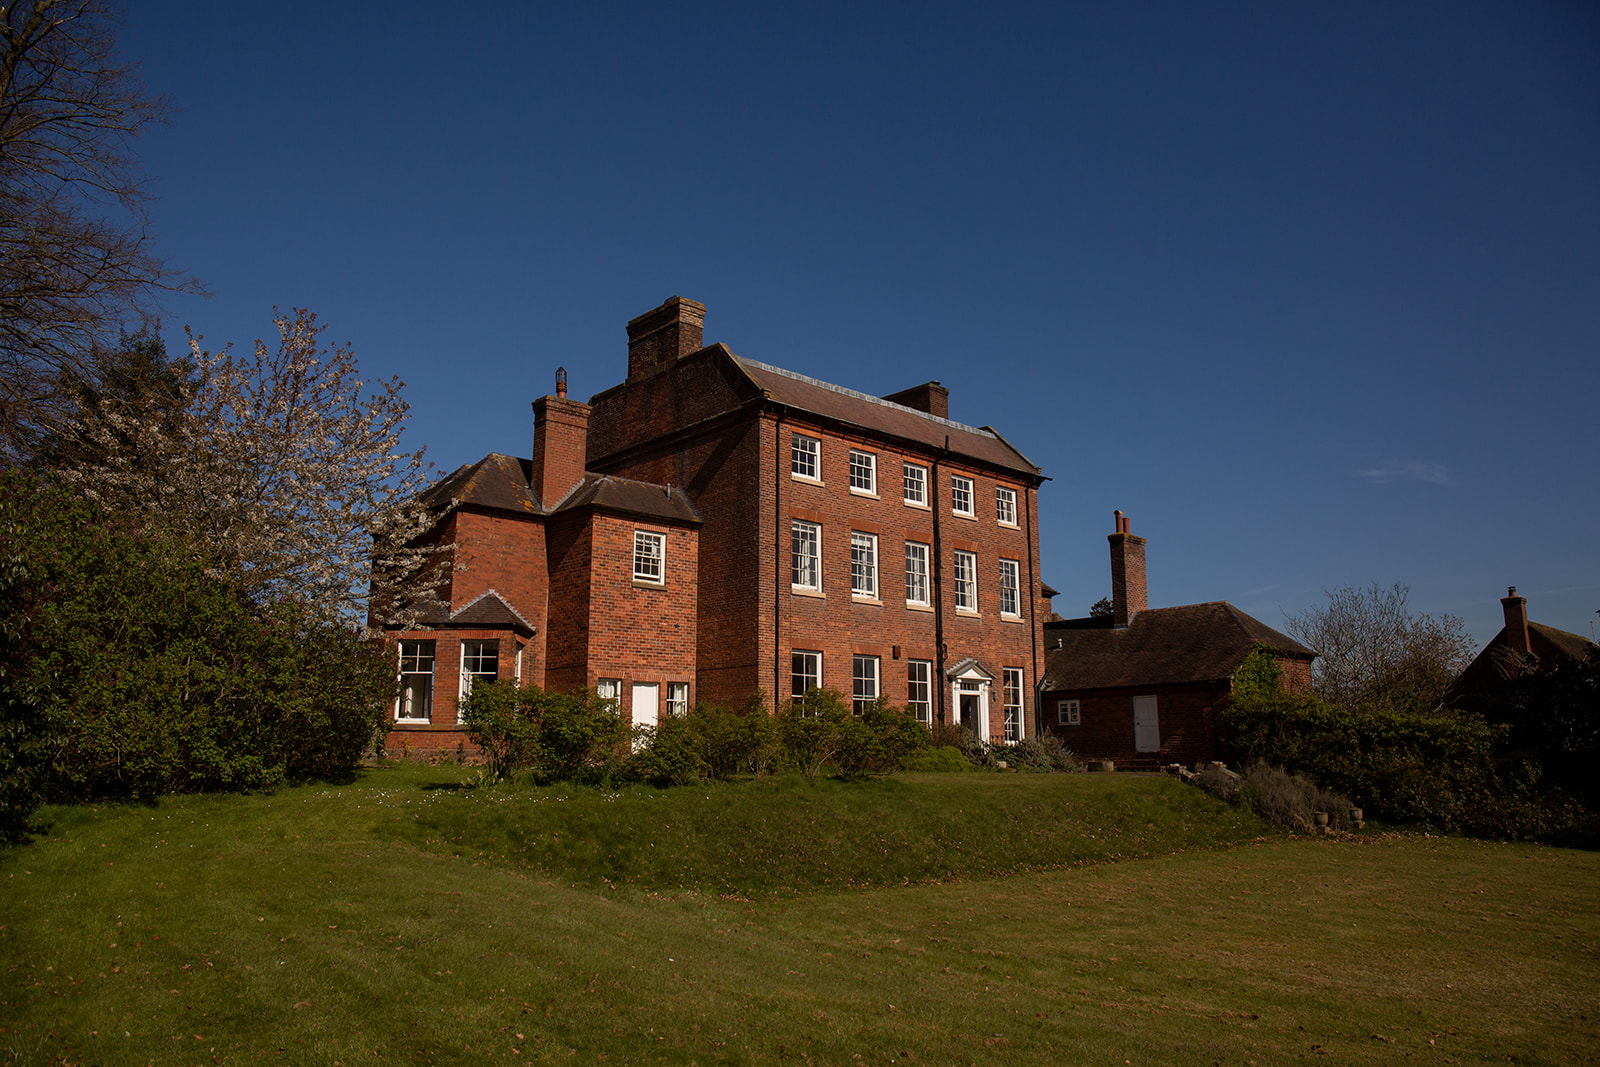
pixel 401 919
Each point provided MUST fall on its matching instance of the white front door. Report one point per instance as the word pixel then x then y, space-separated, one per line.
pixel 970 698
pixel 1146 725
pixel 646 703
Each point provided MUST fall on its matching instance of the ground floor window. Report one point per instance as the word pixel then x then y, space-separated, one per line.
pixel 864 688
pixel 677 698
pixel 480 661
pixel 806 672
pixel 416 682
pixel 919 689
pixel 609 689
pixel 1067 713
pixel 1012 690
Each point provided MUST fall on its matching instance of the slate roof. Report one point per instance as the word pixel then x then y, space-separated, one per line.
pixel 665 502
pixel 1572 644
pixel 839 404
pixel 501 483
pixel 1162 646
pixel 495 481
pixel 486 611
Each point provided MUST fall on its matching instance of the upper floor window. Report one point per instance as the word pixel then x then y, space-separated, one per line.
pixel 1005 505
pixel 805 568
pixel 416 682
pixel 1010 602
pixel 805 457
pixel 961 495
pixel 966 581
pixel 916 573
pixel 864 682
pixel 863 472
pixel 916 484
pixel 649 552
pixel 864 564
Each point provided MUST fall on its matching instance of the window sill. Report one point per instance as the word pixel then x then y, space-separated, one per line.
pixel 969 613
pixel 870 494
pixel 804 479
pixel 858 598
pixel 915 504
pixel 1011 618
pixel 919 607
pixel 964 515
pixel 640 583
pixel 803 590
pixel 1007 525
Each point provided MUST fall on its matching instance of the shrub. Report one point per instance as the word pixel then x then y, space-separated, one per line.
pixel 1293 800
pixel 1220 782
pixel 946 758
pixel 1047 753
pixel 811 729
pixel 669 753
pixel 554 737
pixel 878 741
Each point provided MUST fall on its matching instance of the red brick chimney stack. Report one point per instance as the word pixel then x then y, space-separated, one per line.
pixel 658 337
pixel 1516 608
pixel 1128 593
pixel 560 443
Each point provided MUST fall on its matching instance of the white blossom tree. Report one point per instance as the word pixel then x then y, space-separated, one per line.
pixel 284 474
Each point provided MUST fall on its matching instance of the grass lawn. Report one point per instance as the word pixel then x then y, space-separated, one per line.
pixel 978 918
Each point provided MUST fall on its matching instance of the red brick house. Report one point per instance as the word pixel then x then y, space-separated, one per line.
pixel 810 535
pixel 1142 686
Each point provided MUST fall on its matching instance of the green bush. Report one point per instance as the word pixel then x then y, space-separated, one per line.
pixel 944 759
pixel 811 729
pixel 553 737
pixel 669 753
pixel 131 671
pixel 878 741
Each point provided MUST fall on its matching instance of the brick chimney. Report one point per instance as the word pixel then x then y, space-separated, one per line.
pixel 1128 595
pixel 560 443
pixel 1516 608
pixel 658 337
pixel 929 396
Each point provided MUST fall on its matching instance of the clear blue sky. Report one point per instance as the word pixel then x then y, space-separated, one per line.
pixel 1311 291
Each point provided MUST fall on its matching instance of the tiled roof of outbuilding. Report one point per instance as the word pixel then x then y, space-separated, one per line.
pixel 1572 644
pixel 883 416
pixel 1161 646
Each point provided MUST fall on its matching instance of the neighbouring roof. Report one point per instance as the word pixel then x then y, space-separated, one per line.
pixel 839 404
pixel 501 482
pixel 1572 644
pixel 1161 646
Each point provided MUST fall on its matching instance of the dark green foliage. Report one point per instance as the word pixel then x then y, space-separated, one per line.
pixel 811 729
pixel 945 759
pixel 670 753
pixel 131 672
pixel 1102 609
pixel 878 741
pixel 1554 718
pixel 1446 771
pixel 553 737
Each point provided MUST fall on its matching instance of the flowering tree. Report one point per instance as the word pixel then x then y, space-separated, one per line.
pixel 283 475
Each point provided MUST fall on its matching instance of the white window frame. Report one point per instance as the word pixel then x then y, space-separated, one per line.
pixel 609 689
pixel 1068 713
pixel 863 473
pixel 805 458
pixel 917 574
pixel 1010 589
pixel 1005 505
pixel 644 557
pixel 804 664
pixel 473 651
pixel 1011 698
pixel 415 654
pixel 677 698
pixel 919 689
pixel 964 572
pixel 805 554
pixel 863 565
pixel 961 496
pixel 914 478
pixel 864 682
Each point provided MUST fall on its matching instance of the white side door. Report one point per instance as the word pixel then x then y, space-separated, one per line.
pixel 1146 725
pixel 646 703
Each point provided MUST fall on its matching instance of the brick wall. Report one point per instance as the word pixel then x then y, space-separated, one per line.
pixel 1185 714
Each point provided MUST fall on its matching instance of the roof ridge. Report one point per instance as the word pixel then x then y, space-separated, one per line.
pixel 857 394
pixel 486 594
